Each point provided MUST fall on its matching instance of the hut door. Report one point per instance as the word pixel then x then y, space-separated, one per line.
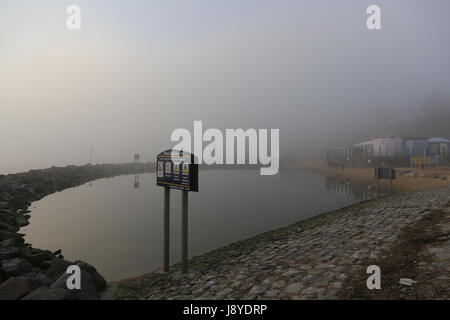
pixel 443 149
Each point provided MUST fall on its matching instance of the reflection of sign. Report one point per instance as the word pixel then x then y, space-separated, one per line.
pixel 385 173
pixel 160 169
pixel 185 172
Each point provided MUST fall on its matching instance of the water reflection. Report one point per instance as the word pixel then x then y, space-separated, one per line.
pixel 136 181
pixel 348 188
pixel 118 228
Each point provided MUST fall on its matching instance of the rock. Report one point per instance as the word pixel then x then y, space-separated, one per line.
pixel 8 227
pixel 4 234
pixel 271 293
pixel 57 268
pixel 15 267
pixel 308 291
pixel 50 294
pixel 22 221
pixel 257 289
pixel 26 188
pixel 407 281
pixel 294 287
pixel 14 288
pixel 25 251
pixel 8 253
pixel 37 259
pixel 411 175
pixel 8 243
pixel 57 252
pixel 97 278
pixel 40 280
pixel 290 272
pixel 45 265
pixel 335 285
pixel 88 290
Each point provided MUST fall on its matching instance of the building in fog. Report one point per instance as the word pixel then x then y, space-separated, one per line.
pixel 417 147
pixel 392 151
pixel 387 147
pixel 439 146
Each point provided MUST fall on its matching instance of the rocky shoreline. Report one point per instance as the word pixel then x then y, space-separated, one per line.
pixel 34 274
pixel 324 257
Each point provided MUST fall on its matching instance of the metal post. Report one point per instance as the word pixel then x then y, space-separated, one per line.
pixel 184 230
pixel 378 185
pixel 166 227
pixel 390 188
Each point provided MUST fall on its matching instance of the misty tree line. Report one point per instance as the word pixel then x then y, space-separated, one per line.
pixel 432 118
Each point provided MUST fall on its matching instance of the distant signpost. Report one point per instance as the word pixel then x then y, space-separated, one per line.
pixel 387 174
pixel 176 170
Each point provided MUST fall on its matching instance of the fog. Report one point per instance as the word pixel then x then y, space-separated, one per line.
pixel 137 70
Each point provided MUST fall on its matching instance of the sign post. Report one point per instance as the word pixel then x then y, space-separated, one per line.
pixel 385 173
pixel 166 227
pixel 390 186
pixel 184 230
pixel 176 170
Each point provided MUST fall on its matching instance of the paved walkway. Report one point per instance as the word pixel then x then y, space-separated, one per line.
pixel 323 257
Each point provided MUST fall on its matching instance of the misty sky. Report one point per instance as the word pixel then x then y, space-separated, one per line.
pixel 137 70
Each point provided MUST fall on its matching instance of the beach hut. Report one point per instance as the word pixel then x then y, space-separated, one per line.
pixel 417 147
pixel 439 146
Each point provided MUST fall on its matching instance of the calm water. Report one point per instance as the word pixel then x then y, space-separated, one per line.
pixel 118 228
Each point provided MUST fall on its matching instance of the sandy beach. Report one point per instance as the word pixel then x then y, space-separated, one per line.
pixel 407 179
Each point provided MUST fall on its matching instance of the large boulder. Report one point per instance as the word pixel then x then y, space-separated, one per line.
pixel 40 280
pixel 4 234
pixel 88 290
pixel 14 288
pixel 21 221
pixel 37 280
pixel 97 278
pixel 8 253
pixel 8 227
pixel 14 267
pixel 8 243
pixel 37 258
pixel 50 294
pixel 57 268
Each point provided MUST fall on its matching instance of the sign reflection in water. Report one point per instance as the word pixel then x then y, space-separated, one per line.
pixel 348 188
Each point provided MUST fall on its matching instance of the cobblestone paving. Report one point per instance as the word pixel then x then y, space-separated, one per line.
pixel 311 259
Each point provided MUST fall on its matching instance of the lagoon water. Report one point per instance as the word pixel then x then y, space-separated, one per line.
pixel 118 228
